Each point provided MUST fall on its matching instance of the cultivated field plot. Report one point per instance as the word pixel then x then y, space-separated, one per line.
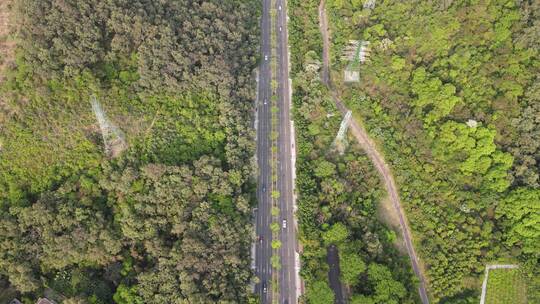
pixel 506 286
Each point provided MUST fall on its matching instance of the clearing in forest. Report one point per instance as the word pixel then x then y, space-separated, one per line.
pixel 113 138
pixel 506 286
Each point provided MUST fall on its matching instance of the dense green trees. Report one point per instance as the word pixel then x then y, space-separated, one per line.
pixel 66 227
pixel 450 93
pixel 178 45
pixel 526 147
pixel 433 94
pixel 474 152
pixel 168 221
pixel 189 221
pixel 386 289
pixel 352 266
pixel 338 194
pixel 126 295
pixel 335 234
pixel 320 293
pixel 520 214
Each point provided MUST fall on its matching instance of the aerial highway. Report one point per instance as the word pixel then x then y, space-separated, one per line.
pixel 285 184
pixel 263 249
pixel 287 275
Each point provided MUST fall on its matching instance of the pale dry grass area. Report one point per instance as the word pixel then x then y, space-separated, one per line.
pixel 388 215
pixel 7 45
pixel 7 51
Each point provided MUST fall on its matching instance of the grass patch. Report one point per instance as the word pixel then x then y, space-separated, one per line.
pixel 506 286
pixel 55 134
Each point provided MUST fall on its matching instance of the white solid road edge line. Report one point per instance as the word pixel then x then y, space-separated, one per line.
pixel 253 252
pixel 256 108
pixel 255 159
pixel 298 279
pixel 293 163
pixel 290 94
pixel 253 265
pixel 297 274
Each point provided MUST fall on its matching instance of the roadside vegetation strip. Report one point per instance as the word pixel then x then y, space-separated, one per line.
pixel 371 150
pixel 276 244
pixel 337 193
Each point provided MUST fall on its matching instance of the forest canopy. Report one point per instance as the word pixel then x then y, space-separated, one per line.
pixel 168 220
pixel 449 93
pixel 339 191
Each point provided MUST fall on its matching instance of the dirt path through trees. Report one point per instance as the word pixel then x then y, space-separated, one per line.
pixel 369 147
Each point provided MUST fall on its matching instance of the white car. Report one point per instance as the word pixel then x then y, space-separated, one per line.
pixel 280 28
pixel 265 101
pixel 266 57
pixel 279 7
pixel 284 224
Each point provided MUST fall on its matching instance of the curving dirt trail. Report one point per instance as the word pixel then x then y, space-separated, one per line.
pixel 369 147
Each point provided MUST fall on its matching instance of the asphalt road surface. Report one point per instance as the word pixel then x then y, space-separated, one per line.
pixel 332 258
pixel 287 274
pixel 263 249
pixel 376 158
